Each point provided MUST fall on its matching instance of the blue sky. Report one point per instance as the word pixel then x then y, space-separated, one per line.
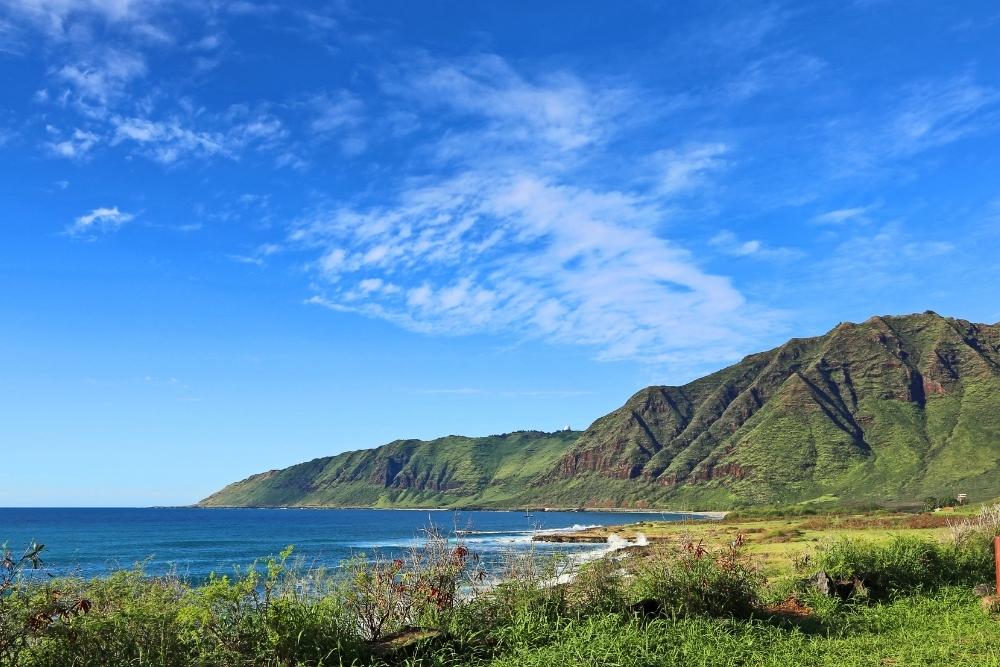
pixel 240 235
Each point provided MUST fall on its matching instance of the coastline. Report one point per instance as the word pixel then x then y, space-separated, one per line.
pixel 705 514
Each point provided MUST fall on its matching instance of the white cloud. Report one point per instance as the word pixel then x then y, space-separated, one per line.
pixel 523 256
pixel 333 113
pixel 504 238
pixel 171 140
pixel 168 141
pixel 730 244
pixel 99 220
pixel 260 255
pixel 888 257
pixel 102 76
pixel 338 117
pixel 77 145
pixel 687 168
pixel 918 118
pixel 939 112
pixel 842 215
pixel 247 259
pixel 556 109
pixel 53 16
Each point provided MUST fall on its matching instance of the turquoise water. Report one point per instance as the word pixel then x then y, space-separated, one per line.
pixel 195 542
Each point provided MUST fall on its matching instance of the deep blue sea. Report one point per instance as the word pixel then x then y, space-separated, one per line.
pixel 195 542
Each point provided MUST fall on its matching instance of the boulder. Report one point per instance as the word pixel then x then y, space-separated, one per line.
pixel 822 582
pixel 983 590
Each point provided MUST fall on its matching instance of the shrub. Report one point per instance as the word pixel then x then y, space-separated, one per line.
pixel 693 580
pixel 386 595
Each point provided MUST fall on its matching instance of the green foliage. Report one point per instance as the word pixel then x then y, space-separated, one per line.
pixel 130 619
pixel 907 564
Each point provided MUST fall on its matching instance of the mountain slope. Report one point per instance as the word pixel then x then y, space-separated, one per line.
pixel 895 408
pixel 492 471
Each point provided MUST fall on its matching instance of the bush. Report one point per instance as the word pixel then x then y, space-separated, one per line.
pixel 386 595
pixel 694 580
pixel 906 564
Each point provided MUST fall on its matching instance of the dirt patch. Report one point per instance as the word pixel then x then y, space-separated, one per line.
pixel 790 608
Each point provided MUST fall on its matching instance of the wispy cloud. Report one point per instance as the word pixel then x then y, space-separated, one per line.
pixel 77 144
pixel 511 243
pixel 841 215
pixel 936 113
pixel 168 141
pixel 501 105
pixel 334 112
pixel 687 168
pixel 529 258
pixel 177 137
pixel 516 393
pixel 101 77
pixel 887 257
pixel 741 33
pixel 338 117
pixel 919 117
pixel 100 220
pixel 55 17
pixel 259 256
pixel 730 244
pixel 782 70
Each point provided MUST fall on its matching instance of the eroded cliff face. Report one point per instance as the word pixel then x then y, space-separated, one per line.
pixel 892 408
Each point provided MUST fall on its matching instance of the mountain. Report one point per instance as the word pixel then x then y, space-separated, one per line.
pixel 892 409
pixel 454 470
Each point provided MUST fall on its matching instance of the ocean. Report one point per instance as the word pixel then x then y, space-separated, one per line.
pixel 195 542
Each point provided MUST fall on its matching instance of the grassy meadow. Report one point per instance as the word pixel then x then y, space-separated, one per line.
pixel 731 592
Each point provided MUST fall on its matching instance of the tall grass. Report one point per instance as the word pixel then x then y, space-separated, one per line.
pixel 906 564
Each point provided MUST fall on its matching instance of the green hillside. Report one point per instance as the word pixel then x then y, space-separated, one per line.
pixel 492 471
pixel 893 409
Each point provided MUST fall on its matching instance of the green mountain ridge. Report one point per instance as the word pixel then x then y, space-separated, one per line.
pixel 892 409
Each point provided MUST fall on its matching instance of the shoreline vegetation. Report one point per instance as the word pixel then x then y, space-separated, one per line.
pixel 792 587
